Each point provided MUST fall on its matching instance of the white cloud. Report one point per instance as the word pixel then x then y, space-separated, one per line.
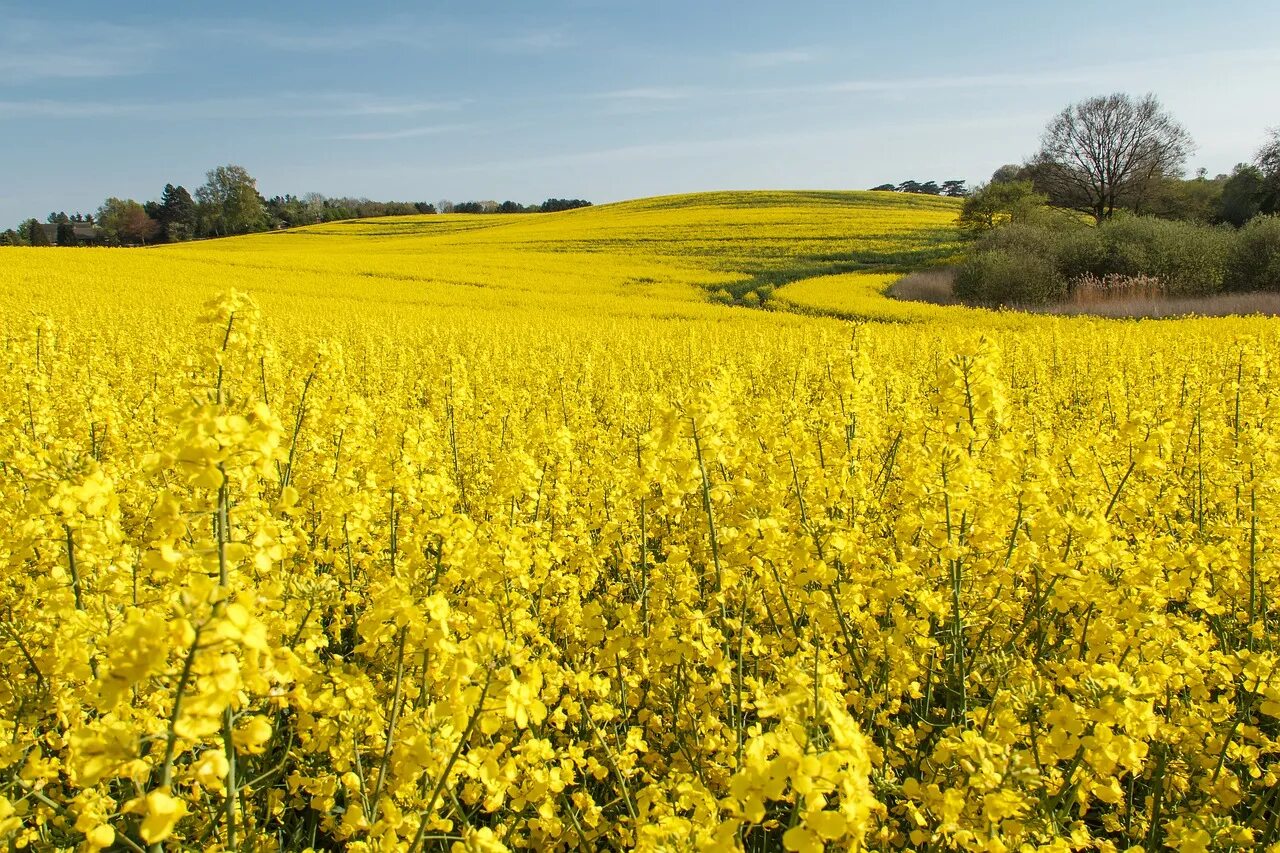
pixel 282 105
pixel 776 58
pixel 531 42
pixel 18 67
pixel 405 32
pixel 404 133
pixel 789 141
pixel 651 93
pixel 1132 75
pixel 312 39
pixel 31 51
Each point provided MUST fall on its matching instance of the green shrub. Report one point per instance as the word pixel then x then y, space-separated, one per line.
pixel 1082 251
pixel 1022 239
pixel 1190 259
pixel 1186 259
pixel 1003 277
pixel 1254 263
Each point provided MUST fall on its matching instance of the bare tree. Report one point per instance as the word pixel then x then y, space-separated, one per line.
pixel 1268 158
pixel 1268 161
pixel 1109 152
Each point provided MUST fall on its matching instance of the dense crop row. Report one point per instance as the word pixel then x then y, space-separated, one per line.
pixel 403 555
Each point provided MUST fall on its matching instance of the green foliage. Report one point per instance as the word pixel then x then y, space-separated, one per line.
pixel 229 202
pixel 555 205
pixel 125 222
pixel 66 234
pixel 1031 263
pixel 1001 277
pixel 1198 199
pixel 953 188
pixel 36 235
pixel 176 213
pixel 1254 262
pixel 994 203
pixel 1010 172
pixel 291 211
pixel 1189 259
pixel 1242 195
pixel 1080 251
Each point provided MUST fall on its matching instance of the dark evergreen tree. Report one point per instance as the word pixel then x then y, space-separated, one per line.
pixel 1242 195
pixel 36 235
pixel 176 213
pixel 554 205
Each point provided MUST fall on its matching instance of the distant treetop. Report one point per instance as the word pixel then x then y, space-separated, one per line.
pixel 954 188
pixel 229 203
pixel 555 205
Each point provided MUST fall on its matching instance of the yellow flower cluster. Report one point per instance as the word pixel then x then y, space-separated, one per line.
pixel 494 533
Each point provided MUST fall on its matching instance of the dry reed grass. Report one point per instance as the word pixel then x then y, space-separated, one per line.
pixel 1112 297
pixel 936 286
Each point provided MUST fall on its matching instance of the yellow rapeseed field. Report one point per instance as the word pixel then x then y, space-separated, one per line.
pixel 486 533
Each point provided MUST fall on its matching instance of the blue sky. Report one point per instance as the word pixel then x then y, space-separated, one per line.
pixel 591 98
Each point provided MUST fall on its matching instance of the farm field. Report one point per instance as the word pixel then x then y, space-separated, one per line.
pixel 648 526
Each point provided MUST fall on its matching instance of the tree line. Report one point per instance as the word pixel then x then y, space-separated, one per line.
pixel 1118 155
pixel 551 205
pixel 1104 208
pixel 228 203
pixel 953 188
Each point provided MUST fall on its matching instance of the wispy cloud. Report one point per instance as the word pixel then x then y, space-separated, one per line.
pixel 651 93
pixel 19 67
pixel 338 104
pixel 647 100
pixel 1104 74
pixel 31 51
pixel 776 58
pixel 404 133
pixel 942 83
pixel 404 32
pixel 532 42
pixel 283 105
pixel 318 39
pixel 665 151
pixel 870 86
pixel 45 108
